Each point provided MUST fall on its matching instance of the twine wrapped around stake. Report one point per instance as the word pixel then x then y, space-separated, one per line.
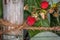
pixel 25 26
pixel 7 24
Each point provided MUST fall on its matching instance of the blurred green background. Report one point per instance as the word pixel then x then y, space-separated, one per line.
pixel 1 9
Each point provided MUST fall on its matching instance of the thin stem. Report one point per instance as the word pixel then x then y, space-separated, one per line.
pixel 52 2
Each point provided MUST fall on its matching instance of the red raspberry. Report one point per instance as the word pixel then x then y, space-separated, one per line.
pixel 44 5
pixel 30 20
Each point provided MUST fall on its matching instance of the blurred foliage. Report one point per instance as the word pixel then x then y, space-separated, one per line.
pixel 32 33
pixel 1 9
pixel 51 21
pixel 32 3
pixel 35 4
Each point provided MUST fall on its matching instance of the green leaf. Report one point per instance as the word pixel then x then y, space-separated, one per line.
pixel 45 23
pixel 26 14
pixel 33 33
pixel 38 23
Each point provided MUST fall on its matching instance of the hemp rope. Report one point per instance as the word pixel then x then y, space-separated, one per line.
pixel 25 26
